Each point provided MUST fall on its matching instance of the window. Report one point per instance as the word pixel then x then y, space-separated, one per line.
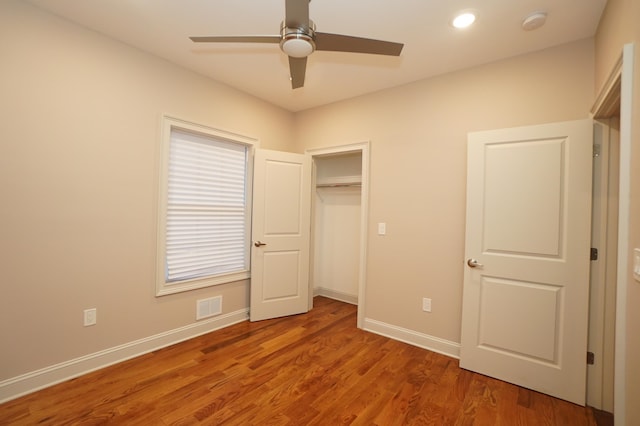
pixel 204 211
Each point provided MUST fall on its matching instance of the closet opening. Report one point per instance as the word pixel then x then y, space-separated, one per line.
pixel 339 228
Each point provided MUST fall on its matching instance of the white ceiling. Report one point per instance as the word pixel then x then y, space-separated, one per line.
pixel 432 46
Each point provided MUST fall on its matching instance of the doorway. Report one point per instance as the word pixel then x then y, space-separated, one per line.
pixel 604 242
pixel 339 224
pixel 615 100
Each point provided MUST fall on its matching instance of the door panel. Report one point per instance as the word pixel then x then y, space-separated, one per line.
pixel 280 278
pixel 508 307
pixel 282 208
pixel 528 227
pixel 280 231
pixel 524 213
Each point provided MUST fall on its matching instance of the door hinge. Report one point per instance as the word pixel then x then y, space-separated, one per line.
pixel 594 253
pixel 596 151
pixel 591 358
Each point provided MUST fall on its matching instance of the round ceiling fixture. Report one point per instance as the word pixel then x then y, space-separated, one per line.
pixel 463 20
pixel 298 42
pixel 297 45
pixel 534 21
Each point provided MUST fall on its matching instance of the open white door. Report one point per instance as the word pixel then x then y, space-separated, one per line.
pixel 280 232
pixel 526 281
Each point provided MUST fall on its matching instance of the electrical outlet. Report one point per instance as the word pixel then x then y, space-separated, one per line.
pixel 426 304
pixel 90 317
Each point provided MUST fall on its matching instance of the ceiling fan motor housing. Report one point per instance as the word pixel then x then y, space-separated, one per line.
pixel 298 42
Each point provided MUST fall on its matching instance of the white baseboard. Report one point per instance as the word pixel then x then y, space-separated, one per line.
pixel 425 341
pixel 35 380
pixel 30 382
pixel 337 295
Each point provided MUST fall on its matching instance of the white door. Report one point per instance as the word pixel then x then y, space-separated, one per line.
pixel 280 232
pixel 526 279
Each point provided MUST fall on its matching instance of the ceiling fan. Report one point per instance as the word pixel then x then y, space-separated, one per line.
pixel 298 39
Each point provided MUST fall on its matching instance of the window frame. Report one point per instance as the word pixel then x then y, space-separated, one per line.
pixel 169 124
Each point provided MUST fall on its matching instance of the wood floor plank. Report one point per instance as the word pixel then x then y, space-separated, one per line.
pixel 310 369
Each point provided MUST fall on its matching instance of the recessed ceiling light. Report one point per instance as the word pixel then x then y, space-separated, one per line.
pixel 464 20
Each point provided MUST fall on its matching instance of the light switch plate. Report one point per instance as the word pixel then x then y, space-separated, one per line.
pixel 382 228
pixel 90 317
pixel 426 304
pixel 636 264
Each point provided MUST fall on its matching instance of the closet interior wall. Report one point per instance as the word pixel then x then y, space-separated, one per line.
pixel 337 226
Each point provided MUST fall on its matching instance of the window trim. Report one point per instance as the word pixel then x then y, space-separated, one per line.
pixel 169 123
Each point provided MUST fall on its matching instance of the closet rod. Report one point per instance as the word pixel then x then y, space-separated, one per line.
pixel 337 185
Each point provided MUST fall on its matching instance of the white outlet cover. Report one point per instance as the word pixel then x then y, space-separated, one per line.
pixel 636 264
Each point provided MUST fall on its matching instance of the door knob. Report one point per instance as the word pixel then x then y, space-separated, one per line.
pixel 474 263
pixel 259 244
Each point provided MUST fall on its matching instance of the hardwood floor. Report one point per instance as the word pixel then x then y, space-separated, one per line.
pixel 311 369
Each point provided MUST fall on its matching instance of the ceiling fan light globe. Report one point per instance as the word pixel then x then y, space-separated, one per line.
pixel 297 45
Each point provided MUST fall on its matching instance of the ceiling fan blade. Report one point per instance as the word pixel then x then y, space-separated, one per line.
pixel 343 43
pixel 236 39
pixel 296 14
pixel 297 68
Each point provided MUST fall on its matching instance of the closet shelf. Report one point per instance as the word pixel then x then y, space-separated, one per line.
pixel 338 181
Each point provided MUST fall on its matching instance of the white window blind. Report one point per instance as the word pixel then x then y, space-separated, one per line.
pixel 206 222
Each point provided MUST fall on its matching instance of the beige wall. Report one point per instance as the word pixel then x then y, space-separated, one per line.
pixel 418 169
pixel 619 26
pixel 79 139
